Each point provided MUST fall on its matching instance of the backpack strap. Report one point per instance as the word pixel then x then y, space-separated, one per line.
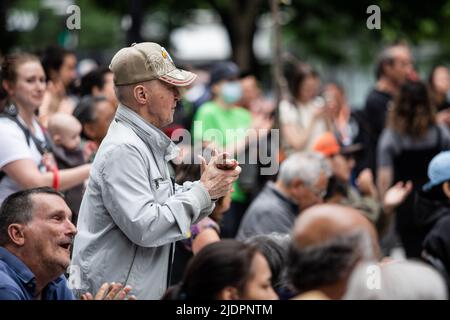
pixel 42 146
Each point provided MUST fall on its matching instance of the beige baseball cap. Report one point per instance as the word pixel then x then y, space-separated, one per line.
pixel 147 61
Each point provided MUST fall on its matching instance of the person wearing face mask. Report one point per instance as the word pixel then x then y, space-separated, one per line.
pixel 222 124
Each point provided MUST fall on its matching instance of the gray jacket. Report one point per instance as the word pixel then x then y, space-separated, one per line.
pixel 271 211
pixel 131 213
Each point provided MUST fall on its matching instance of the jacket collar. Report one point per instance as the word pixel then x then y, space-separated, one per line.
pixel 20 268
pixel 154 138
pixel 271 187
pixel 25 275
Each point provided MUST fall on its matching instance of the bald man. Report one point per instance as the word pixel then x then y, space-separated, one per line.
pixel 328 241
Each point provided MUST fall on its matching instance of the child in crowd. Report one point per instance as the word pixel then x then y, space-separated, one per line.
pixel 64 130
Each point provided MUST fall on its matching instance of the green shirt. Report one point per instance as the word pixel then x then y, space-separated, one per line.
pixel 222 126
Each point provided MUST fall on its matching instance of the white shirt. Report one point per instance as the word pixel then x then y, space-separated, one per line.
pixel 13 147
pixel 302 115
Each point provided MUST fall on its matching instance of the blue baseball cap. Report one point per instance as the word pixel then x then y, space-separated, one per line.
pixel 438 170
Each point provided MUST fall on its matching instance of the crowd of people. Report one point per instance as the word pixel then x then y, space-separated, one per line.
pixel 101 200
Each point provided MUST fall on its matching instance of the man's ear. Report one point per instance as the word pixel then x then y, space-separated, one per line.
pixel 228 293
pixel 446 189
pixel 140 94
pixel 16 234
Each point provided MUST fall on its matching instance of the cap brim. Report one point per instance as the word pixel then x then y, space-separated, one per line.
pixel 179 77
pixel 428 186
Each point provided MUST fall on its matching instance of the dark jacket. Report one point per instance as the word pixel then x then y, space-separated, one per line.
pixel 70 159
pixel 428 211
pixel 437 247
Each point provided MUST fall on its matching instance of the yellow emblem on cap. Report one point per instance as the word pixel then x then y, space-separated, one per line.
pixel 164 53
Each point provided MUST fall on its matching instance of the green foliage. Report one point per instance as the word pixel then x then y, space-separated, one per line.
pixel 332 31
pixel 100 29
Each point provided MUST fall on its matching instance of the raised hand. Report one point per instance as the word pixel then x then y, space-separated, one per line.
pixel 218 182
pixel 396 194
pixel 110 291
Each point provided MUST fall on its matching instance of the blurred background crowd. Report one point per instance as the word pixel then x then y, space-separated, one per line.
pixel 364 120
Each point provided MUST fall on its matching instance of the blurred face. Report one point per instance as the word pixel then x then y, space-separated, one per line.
pixel 441 80
pixel 342 167
pixel 402 67
pixel 307 196
pixel 309 88
pixel 259 286
pixel 68 71
pixel 334 99
pixel 29 88
pixel 108 89
pixel 104 114
pixel 250 90
pixel 49 235
pixel 70 137
pixel 163 98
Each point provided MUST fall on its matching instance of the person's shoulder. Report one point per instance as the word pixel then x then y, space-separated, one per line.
pixel 208 107
pixel 389 134
pixel 62 292
pixel 445 131
pixel 241 111
pixel 120 137
pixel 263 205
pixel 389 138
pixel 9 128
pixel 9 288
pixel 10 293
pixel 286 105
pixel 121 152
pixel 376 98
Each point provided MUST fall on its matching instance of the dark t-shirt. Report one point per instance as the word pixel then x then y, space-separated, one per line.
pixel 443 105
pixel 375 112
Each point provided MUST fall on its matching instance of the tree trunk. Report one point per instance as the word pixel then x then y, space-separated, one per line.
pixel 134 33
pixel 239 19
pixel 8 38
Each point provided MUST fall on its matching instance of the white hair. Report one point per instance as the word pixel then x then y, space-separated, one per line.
pixel 397 280
pixel 304 165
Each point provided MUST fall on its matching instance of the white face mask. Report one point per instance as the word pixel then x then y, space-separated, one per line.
pixel 231 92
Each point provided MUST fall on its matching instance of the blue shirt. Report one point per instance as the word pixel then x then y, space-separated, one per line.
pixel 17 282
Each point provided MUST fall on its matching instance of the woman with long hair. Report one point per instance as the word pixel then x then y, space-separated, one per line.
pixel 408 143
pixel 225 270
